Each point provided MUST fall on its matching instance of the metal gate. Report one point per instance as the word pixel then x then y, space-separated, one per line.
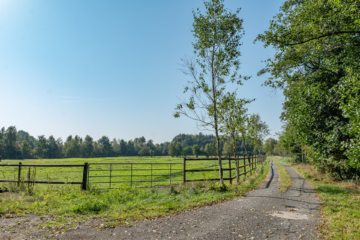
pixel 116 175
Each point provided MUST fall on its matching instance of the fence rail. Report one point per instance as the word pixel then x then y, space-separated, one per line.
pixel 131 173
pixel 83 183
pixel 252 161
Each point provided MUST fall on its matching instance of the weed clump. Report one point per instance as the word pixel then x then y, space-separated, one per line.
pixel 218 187
pixel 91 205
pixel 173 191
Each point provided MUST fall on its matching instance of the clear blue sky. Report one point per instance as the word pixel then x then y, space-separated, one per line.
pixel 112 67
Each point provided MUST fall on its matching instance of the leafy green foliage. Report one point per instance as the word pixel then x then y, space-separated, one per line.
pixel 233 119
pixel 269 146
pixel 186 151
pixel 317 66
pixel 196 150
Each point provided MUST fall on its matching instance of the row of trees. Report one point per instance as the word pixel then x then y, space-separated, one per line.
pixel 20 144
pixel 317 67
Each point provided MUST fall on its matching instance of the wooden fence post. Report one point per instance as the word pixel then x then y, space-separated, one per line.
pixel 184 171
pixel 249 160
pixel 131 175
pixel 222 170
pixel 151 175
pixel 85 176
pixel 110 176
pixel 255 161
pixel 230 170
pixel 170 174
pixel 252 161
pixel 19 174
pixel 245 167
pixel 237 170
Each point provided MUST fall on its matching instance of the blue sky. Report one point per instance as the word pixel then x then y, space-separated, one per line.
pixel 112 67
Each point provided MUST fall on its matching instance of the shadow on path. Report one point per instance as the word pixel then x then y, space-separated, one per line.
pixel 272 174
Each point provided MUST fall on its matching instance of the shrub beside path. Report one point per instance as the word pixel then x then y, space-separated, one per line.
pixel 263 214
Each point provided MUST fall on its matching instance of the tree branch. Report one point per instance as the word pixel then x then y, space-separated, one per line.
pixel 318 37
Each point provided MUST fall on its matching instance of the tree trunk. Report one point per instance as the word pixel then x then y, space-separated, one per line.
pixel 247 154
pixel 215 111
pixel 218 147
pixel 236 163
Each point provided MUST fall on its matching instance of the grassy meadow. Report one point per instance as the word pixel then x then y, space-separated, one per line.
pixel 63 209
pixel 340 202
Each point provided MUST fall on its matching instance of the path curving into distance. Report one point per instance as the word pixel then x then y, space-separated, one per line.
pixel 263 214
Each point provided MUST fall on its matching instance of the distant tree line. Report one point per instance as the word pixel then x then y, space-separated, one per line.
pixel 20 144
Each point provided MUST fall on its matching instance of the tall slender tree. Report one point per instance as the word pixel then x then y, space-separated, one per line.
pixel 217 41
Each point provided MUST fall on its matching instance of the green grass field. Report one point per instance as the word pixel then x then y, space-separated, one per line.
pixel 125 171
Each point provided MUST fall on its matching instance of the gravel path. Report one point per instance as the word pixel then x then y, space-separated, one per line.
pixel 263 214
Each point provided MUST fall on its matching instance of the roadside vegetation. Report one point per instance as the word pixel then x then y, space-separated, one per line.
pixel 340 202
pixel 285 178
pixel 63 209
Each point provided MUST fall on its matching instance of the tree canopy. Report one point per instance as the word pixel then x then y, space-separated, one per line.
pixel 317 66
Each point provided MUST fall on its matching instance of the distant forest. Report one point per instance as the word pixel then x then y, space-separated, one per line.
pixel 20 144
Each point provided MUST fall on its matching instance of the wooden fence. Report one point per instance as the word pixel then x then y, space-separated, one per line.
pixel 133 173
pixel 83 183
pixel 252 161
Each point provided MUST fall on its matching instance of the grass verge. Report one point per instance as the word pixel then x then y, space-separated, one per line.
pixel 63 210
pixel 340 203
pixel 285 178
